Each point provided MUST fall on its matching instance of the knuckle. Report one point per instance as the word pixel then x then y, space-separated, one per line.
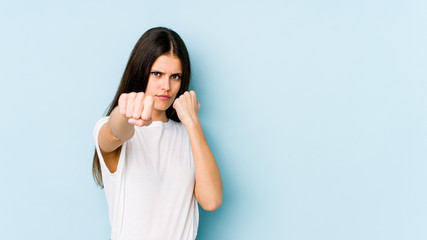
pixel 140 95
pixel 123 97
pixel 129 99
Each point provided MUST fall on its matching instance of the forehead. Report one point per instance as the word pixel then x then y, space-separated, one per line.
pixel 167 64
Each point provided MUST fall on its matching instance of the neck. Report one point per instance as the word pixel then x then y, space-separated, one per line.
pixel 159 116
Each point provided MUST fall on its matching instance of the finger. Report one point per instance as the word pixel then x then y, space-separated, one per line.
pixel 193 95
pixel 178 96
pixel 148 122
pixel 132 121
pixel 137 109
pixel 140 122
pixel 122 103
pixel 175 103
pixel 129 105
pixel 188 97
pixel 148 107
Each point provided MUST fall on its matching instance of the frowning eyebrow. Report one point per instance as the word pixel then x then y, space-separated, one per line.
pixel 154 70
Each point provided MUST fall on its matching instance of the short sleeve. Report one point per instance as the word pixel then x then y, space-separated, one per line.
pixel 104 168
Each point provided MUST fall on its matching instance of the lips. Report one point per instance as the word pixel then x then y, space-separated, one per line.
pixel 163 97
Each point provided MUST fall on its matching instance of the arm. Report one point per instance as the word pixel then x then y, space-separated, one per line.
pixel 119 128
pixel 208 187
pixel 115 132
pixel 132 106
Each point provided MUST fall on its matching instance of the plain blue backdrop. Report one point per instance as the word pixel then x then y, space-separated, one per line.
pixel 314 110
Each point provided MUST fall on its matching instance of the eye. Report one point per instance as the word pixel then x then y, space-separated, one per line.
pixel 157 74
pixel 176 77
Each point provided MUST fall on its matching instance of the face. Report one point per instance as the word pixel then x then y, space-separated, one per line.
pixel 164 81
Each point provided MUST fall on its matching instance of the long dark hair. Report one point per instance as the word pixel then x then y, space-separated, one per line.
pixel 152 44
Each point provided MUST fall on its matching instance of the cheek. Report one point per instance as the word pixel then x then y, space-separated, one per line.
pixel 177 86
pixel 150 87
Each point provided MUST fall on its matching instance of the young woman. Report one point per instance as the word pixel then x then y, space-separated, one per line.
pixel 151 156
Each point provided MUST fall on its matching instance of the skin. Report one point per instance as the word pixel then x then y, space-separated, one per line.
pixel 165 79
pixel 140 109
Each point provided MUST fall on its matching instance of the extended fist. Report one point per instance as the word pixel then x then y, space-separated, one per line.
pixel 187 107
pixel 138 107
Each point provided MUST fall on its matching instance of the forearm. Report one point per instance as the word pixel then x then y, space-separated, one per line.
pixel 119 125
pixel 208 179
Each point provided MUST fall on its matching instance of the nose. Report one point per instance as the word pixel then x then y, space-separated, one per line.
pixel 165 84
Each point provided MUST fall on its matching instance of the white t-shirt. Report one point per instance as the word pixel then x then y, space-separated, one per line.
pixel 151 194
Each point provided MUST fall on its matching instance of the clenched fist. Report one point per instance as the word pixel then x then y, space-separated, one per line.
pixel 187 106
pixel 138 107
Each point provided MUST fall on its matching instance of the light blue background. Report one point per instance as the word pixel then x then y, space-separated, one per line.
pixel 315 112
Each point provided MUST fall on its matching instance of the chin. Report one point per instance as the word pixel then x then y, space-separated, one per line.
pixel 161 107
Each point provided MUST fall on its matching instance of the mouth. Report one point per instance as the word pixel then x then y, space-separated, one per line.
pixel 163 97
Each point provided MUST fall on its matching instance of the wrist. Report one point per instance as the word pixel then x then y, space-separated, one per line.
pixel 119 125
pixel 192 121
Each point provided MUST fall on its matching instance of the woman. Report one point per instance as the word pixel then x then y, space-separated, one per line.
pixel 151 156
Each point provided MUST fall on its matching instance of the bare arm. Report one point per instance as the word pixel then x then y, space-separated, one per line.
pixel 118 130
pixel 115 132
pixel 135 106
pixel 208 187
